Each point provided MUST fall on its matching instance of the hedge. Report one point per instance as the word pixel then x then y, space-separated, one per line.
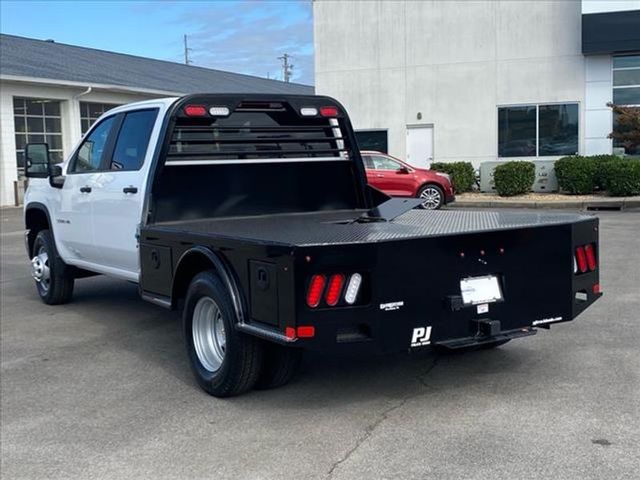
pixel 622 177
pixel 462 174
pixel 601 162
pixel 514 178
pixel 577 174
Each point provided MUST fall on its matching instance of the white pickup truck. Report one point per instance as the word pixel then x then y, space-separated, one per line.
pixel 252 215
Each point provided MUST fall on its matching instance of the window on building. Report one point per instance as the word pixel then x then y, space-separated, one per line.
pixel 133 140
pixel 626 80
pixel 626 91
pixel 538 130
pixel 372 140
pixel 90 112
pixel 37 120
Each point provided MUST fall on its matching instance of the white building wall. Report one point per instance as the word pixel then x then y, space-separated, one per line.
pixel 454 62
pixel 70 112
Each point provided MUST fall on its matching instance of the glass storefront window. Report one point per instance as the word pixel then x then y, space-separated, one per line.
pixel 538 130
pixel 37 120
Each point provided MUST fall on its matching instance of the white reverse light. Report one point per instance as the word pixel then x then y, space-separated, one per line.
pixel 219 111
pixel 353 288
pixel 309 112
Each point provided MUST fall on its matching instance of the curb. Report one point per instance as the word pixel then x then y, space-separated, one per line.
pixel 613 203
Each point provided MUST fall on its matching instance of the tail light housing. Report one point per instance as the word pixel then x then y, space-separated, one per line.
pixel 334 290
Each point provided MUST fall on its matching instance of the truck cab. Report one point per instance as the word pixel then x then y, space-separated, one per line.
pixel 94 214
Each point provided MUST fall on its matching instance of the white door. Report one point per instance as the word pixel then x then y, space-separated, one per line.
pixel 420 145
pixel 73 218
pixel 119 192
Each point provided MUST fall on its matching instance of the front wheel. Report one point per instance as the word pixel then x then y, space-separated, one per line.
pixel 432 197
pixel 53 282
pixel 225 361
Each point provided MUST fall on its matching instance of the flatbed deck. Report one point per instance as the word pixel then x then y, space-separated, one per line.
pixel 338 228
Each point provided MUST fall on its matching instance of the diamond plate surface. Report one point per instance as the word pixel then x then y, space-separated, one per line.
pixel 332 228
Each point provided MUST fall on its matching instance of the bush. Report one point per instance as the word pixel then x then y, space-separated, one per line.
pixel 462 174
pixel 577 174
pixel 601 161
pixel 622 177
pixel 514 178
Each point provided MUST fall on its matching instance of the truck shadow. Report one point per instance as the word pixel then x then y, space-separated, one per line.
pixel 153 335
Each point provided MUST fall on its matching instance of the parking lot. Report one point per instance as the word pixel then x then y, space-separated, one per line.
pixel 101 388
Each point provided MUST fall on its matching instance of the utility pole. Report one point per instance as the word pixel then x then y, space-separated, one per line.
pixel 287 68
pixel 186 51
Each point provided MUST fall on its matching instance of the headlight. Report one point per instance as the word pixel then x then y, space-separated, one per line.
pixel 445 175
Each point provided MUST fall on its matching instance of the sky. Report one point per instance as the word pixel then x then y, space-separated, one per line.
pixel 245 36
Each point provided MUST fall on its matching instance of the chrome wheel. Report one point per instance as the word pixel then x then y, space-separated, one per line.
pixel 209 338
pixel 432 198
pixel 40 270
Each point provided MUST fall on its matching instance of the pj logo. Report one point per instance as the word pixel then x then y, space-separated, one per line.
pixel 421 336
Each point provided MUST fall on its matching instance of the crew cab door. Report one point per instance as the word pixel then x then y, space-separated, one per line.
pixel 73 216
pixel 119 191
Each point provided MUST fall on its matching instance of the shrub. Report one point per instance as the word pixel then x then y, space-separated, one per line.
pixel 514 178
pixel 601 161
pixel 622 178
pixel 462 174
pixel 576 174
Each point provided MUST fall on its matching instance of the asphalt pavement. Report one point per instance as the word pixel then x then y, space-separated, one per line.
pixel 101 389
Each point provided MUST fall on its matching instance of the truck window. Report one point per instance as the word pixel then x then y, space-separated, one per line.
pixel 90 153
pixel 133 140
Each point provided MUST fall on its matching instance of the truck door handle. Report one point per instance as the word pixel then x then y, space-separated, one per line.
pixel 380 175
pixel 130 190
pixel 85 189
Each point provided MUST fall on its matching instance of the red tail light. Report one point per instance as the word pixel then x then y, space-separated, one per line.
pixel 329 111
pixel 316 287
pixel 195 111
pixel 590 253
pixel 581 258
pixel 336 282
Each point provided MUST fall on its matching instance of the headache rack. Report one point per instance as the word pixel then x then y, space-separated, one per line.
pixel 256 135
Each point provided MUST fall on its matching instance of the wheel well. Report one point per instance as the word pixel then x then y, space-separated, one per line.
pixel 426 184
pixel 35 220
pixel 191 265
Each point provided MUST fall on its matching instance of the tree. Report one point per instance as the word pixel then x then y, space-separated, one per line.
pixel 626 130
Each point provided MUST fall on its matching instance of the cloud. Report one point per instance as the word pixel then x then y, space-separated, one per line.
pixel 249 36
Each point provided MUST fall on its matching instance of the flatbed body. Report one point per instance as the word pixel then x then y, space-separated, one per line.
pixel 530 253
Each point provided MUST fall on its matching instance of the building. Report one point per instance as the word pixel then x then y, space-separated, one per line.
pixel 51 92
pixel 480 80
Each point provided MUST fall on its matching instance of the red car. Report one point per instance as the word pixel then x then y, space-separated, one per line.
pixel 399 179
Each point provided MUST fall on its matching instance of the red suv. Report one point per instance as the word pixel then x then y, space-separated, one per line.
pixel 398 179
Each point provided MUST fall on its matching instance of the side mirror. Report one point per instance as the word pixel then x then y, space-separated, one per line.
pixel 403 170
pixel 36 160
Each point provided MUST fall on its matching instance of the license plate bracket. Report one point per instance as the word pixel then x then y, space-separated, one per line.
pixel 480 290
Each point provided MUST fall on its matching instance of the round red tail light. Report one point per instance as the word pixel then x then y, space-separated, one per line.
pixel 590 252
pixel 581 259
pixel 316 287
pixel 336 283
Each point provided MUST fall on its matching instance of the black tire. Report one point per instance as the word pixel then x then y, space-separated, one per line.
pixel 473 348
pixel 56 286
pixel 434 192
pixel 240 365
pixel 279 365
